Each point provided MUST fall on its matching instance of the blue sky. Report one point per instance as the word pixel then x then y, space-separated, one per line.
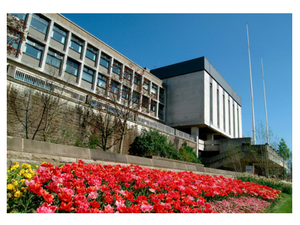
pixel 156 40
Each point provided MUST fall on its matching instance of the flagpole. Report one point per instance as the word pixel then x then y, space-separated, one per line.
pixel 252 106
pixel 262 70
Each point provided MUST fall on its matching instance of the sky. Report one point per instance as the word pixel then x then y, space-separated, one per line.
pixel 156 40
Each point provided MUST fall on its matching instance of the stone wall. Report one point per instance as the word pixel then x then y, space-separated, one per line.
pixel 30 151
pixel 67 127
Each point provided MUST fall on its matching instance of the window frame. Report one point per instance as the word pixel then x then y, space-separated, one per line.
pixel 137 79
pixel 57 30
pixel 117 67
pixel 91 50
pixel 146 84
pixel 126 92
pixel 128 73
pixel 106 58
pixel 77 42
pixel 115 86
pixel 71 65
pixel 56 56
pixel 34 45
pixel 103 79
pixel 153 106
pixel 41 20
pixel 87 72
pixel 144 105
pixel 136 97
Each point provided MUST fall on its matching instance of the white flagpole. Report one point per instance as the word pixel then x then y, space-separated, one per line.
pixel 252 106
pixel 262 70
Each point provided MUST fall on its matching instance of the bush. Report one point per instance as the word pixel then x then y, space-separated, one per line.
pixel 270 182
pixel 152 143
pixel 187 154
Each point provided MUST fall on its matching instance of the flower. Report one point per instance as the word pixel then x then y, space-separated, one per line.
pixel 146 208
pixel 10 187
pixel 45 208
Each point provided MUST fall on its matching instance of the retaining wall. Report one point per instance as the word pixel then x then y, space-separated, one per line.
pixel 30 151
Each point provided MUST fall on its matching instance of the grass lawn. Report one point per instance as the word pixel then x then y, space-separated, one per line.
pixel 284 205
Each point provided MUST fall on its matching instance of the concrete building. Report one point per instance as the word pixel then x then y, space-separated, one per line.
pixel 55 46
pixel 189 100
pixel 199 100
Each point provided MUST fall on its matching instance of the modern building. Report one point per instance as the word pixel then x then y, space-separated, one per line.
pixel 55 46
pixel 188 99
pixel 199 100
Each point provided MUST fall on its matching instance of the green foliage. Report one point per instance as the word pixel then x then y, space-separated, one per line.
pixel 285 187
pixel 283 149
pixel 152 143
pixel 187 154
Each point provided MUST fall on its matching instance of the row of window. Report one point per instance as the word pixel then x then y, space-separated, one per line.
pixel 218 112
pixel 55 59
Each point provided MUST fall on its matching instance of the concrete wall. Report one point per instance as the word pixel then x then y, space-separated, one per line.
pixel 185 100
pixel 30 151
pixel 67 127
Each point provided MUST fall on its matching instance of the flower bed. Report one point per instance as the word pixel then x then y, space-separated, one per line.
pixel 93 188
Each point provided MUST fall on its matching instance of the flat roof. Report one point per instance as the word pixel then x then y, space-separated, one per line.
pixel 194 65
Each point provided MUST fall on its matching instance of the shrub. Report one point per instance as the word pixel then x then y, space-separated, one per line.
pixel 270 182
pixel 152 143
pixel 187 154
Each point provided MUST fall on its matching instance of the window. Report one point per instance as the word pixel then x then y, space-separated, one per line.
pixel 145 102
pixel 233 120
pixel 54 59
pixel 117 67
pixel 87 75
pixel 137 79
pixel 154 90
pixel 125 92
pixel 21 16
pixel 161 95
pixel 146 84
pixel 115 87
pixel 91 53
pixel 153 106
pixel 238 121
pixel 229 119
pixel 39 23
pixel 105 60
pixel 102 80
pixel 224 116
pixel 218 109
pixel 58 34
pixel 72 67
pixel 128 73
pixel 161 111
pixel 33 49
pixel 136 97
pixel 76 44
pixel 211 103
pixel 14 41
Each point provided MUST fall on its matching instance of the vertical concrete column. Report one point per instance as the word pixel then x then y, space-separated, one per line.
pixel 195 133
pixel 43 58
pixel 79 76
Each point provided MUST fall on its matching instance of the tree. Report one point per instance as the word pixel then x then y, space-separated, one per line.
pixel 16 33
pixel 284 152
pixel 102 122
pixel 36 109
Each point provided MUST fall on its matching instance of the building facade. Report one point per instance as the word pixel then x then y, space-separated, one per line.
pixel 200 101
pixel 56 47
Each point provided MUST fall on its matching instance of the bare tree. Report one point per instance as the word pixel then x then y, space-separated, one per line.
pixel 36 109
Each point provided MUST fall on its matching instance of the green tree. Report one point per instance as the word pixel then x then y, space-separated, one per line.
pixel 152 143
pixel 284 152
